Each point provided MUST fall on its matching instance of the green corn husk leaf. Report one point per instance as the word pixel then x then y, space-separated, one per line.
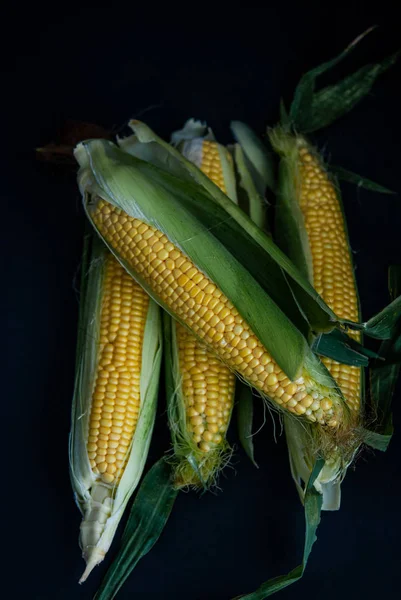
pixel 313 505
pixel 260 161
pixel 384 325
pixel 394 281
pixel 102 505
pixel 311 110
pixel 339 346
pixel 256 202
pixel 148 517
pixel 358 180
pixel 384 376
pixel 334 101
pixel 240 234
pixel 290 231
pixel 245 420
pixel 257 213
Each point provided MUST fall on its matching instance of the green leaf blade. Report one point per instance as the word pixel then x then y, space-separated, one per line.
pixel 332 102
pixel 245 420
pixel 384 376
pixel 148 517
pixel 342 348
pixel 257 154
pixel 311 110
pixel 312 506
pixel 359 181
pixel 384 325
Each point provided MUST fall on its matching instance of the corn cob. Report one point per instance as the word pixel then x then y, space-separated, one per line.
pixel 200 304
pixel 333 275
pixel 116 395
pixel 104 466
pixel 207 385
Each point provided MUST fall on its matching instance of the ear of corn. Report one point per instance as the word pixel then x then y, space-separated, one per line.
pixel 177 260
pixel 201 397
pixel 333 274
pixel 312 229
pixel 115 396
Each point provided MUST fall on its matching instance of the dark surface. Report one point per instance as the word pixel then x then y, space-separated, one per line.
pixel 106 66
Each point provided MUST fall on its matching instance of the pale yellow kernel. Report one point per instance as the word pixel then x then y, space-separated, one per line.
pixel 271 380
pixel 207 436
pixel 307 401
pixel 204 446
pixel 199 406
pixel 291 389
pixel 213 427
pixel 326 404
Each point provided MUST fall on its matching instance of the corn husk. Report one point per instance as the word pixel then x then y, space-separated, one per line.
pixel 102 505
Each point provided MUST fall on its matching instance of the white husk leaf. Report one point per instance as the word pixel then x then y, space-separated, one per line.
pixel 191 129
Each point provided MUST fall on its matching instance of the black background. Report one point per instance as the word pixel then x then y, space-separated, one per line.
pixel 213 63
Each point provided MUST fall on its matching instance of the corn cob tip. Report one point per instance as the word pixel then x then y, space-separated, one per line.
pixel 198 472
pixel 93 557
